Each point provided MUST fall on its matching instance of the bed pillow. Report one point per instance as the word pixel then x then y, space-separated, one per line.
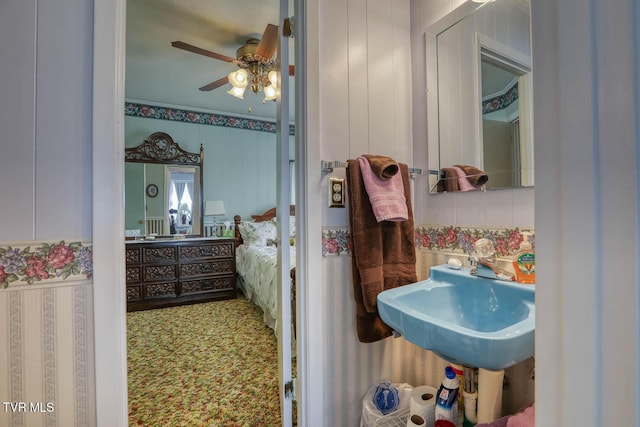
pixel 292 225
pixel 257 233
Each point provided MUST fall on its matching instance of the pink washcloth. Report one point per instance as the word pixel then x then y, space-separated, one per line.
pixel 463 181
pixel 526 418
pixel 385 195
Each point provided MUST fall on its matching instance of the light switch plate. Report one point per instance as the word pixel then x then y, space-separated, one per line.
pixel 336 192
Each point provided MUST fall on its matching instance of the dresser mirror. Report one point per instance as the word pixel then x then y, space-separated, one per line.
pixel 479 81
pixel 163 189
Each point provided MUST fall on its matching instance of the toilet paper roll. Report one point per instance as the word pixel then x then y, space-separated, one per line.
pixel 489 395
pixel 417 421
pixel 423 406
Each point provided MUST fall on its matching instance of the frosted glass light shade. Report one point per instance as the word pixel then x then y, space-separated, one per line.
pixel 238 92
pixel 239 78
pixel 270 93
pixel 273 77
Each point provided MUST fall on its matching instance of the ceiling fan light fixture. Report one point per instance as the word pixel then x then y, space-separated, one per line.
pixel 238 92
pixel 239 78
pixel 273 77
pixel 270 93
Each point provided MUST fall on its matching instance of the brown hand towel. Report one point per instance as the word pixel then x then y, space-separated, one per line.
pixel 383 254
pixel 475 176
pixel 448 181
pixel 384 167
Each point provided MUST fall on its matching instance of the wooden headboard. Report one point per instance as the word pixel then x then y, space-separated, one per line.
pixel 265 216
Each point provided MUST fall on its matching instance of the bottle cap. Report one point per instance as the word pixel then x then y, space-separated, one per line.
pixel 449 372
pixel 525 246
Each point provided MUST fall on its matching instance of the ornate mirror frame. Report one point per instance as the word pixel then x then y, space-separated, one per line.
pixel 160 148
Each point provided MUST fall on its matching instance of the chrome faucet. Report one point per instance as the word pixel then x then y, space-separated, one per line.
pixel 484 262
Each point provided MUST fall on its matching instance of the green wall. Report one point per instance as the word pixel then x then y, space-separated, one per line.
pixel 239 164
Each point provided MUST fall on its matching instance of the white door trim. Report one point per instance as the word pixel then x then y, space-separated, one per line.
pixel 108 224
pixel 108 213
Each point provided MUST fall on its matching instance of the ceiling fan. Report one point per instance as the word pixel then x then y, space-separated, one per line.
pixel 256 62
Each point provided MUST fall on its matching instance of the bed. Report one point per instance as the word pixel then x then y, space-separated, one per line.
pixel 256 262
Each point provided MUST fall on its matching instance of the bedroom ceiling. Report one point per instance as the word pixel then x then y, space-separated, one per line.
pixel 159 73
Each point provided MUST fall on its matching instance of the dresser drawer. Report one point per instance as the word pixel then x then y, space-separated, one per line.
pixel 221 266
pixel 207 284
pixel 159 254
pixel 134 293
pixel 133 274
pixel 132 255
pixel 159 290
pixel 197 252
pixel 155 273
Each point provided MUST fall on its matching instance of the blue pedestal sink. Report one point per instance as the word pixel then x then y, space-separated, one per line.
pixel 469 320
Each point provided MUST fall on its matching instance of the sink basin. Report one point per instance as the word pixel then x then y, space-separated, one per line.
pixel 469 320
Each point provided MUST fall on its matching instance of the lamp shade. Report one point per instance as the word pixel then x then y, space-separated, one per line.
pixel 239 78
pixel 214 207
pixel 238 92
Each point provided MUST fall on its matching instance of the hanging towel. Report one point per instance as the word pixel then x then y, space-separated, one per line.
pixel 384 187
pixel 448 180
pixel 463 181
pixel 382 254
pixel 525 417
pixel 475 176
pixel 383 167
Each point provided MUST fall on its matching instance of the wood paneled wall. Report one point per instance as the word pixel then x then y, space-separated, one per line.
pixel 46 331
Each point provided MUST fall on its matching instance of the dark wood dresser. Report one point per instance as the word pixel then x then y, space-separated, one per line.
pixel 165 273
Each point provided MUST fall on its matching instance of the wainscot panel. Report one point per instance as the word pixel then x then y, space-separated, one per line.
pixel 47 330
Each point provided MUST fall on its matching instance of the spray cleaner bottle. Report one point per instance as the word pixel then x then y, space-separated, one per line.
pixel 447 397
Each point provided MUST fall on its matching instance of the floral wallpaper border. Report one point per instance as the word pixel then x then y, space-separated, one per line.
pixel 337 241
pixel 45 263
pixel 461 239
pixel 501 101
pixel 187 116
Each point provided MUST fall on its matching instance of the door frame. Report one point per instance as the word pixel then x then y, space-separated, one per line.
pixel 108 222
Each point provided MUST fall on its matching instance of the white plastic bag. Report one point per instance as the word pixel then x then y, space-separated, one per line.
pixel 383 399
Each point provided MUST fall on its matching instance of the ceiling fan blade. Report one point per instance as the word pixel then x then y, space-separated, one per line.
pixel 268 43
pixel 194 49
pixel 214 85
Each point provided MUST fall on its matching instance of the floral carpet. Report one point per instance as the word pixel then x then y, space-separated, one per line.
pixel 210 364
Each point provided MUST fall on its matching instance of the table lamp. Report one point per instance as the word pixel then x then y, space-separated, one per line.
pixel 214 208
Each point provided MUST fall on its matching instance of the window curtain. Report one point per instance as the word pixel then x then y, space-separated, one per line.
pixel 180 187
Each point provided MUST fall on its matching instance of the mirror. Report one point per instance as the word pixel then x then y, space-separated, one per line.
pixel 163 188
pixel 479 82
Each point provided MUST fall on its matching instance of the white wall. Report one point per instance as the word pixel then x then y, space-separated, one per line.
pixel 587 62
pixel 45 143
pixel 46 339
pixel 364 107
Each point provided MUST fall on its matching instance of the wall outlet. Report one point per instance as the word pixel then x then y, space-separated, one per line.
pixel 336 192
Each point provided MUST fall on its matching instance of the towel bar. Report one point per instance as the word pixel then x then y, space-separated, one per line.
pixel 329 166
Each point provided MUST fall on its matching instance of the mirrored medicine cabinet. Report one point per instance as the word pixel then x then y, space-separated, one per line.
pixel 479 92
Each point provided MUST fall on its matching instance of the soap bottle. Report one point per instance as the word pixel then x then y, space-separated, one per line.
pixel 524 263
pixel 447 397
